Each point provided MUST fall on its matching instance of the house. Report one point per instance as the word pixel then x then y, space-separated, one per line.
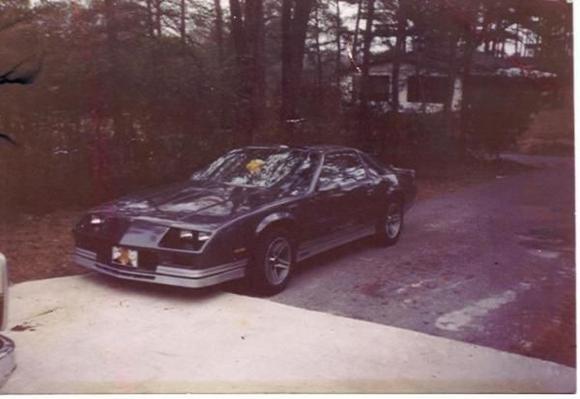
pixel 424 81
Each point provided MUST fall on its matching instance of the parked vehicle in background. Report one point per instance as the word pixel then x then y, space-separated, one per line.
pixel 7 361
pixel 252 214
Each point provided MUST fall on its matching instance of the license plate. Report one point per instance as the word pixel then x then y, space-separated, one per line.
pixel 125 256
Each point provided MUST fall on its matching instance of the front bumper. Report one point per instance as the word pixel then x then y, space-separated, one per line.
pixel 165 274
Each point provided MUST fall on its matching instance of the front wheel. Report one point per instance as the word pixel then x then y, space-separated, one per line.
pixel 273 262
pixel 389 228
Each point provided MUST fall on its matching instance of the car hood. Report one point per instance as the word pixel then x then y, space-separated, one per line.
pixel 193 202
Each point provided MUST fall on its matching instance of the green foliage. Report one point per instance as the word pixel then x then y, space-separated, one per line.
pixel 499 111
pixel 127 101
pixel 101 120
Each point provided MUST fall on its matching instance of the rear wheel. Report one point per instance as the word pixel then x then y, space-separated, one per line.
pixel 389 228
pixel 273 262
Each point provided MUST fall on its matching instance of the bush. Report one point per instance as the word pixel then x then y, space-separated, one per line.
pixel 499 113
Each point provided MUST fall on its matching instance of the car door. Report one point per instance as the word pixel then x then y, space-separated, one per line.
pixel 358 190
pixel 326 207
pixel 332 211
pixel 339 192
pixel 376 191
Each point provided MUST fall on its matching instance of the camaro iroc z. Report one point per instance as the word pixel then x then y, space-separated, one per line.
pixel 253 213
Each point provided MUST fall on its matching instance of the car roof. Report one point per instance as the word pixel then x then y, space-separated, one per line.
pixel 317 147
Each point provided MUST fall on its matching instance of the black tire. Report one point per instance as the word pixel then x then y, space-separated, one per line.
pixel 266 276
pixel 387 230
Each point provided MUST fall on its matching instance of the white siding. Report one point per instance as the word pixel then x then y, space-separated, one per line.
pixel 405 71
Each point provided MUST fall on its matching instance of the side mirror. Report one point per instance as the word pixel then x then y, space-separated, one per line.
pixel 3 292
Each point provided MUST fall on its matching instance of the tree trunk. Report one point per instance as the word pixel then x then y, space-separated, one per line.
pixel 319 76
pixel 286 111
pixel 364 114
pixel 242 118
pixel 219 38
pixel 158 13
pixel 399 52
pixel 150 19
pixel 395 102
pixel 219 32
pixel 112 74
pixel 248 38
pixel 467 62
pixel 452 77
pixel 354 53
pixel 237 28
pixel 356 31
pixel 256 36
pixel 182 19
pixel 112 77
pixel 295 15
pixel 338 49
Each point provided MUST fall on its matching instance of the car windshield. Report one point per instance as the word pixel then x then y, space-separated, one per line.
pixel 258 167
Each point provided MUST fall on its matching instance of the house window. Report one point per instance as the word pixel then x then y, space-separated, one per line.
pixel 379 88
pixel 427 89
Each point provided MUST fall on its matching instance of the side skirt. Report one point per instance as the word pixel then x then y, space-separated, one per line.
pixel 315 247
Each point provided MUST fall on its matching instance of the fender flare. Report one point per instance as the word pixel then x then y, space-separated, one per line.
pixel 272 218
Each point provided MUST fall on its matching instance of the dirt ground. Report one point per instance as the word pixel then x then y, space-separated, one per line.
pixel 39 246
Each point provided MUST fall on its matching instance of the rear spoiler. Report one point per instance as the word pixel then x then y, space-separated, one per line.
pixel 402 171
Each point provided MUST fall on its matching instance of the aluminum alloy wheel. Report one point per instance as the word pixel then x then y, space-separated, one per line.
pixel 394 220
pixel 278 258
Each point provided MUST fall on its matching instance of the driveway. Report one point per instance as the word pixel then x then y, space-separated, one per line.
pixel 92 334
pixel 492 265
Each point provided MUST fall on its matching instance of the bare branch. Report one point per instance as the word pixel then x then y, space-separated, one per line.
pixel 14 76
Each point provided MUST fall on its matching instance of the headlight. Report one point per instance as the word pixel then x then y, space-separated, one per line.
pixel 90 223
pixel 201 236
pixel 186 234
pixel 185 239
pixel 96 220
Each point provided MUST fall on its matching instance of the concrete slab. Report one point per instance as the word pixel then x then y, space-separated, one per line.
pixel 92 334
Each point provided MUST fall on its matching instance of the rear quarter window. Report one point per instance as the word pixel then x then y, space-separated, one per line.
pixel 375 164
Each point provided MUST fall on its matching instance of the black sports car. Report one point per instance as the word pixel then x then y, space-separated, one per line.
pixel 252 213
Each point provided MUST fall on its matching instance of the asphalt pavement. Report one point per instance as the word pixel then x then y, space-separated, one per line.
pixel 492 264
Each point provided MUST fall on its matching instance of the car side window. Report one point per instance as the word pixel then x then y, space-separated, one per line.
pixel 354 169
pixel 341 168
pixel 374 163
pixel 302 177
